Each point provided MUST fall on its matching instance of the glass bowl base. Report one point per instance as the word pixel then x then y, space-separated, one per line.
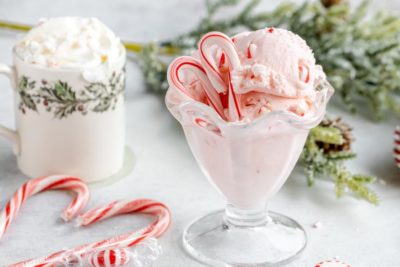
pixel 212 241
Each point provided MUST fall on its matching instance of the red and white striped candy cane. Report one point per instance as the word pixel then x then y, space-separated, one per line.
pixel 233 102
pixel 155 229
pixel 211 66
pixel 38 185
pixel 396 150
pixel 148 206
pixel 194 66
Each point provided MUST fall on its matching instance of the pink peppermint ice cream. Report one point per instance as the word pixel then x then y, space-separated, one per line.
pixel 246 104
pixel 274 61
pixel 277 64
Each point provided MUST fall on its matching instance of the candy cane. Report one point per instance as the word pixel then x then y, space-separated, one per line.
pixel 304 72
pixel 148 206
pixel 210 65
pixel 233 103
pixel 38 185
pixel 396 151
pixel 155 229
pixel 227 46
pixel 191 64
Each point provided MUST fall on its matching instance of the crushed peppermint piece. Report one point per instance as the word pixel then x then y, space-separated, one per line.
pixel 332 263
pixel 317 225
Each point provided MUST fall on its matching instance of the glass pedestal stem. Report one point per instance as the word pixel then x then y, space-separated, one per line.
pixel 238 217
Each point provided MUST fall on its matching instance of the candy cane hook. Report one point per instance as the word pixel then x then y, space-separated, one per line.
pixel 194 66
pixel 38 185
pixel 224 43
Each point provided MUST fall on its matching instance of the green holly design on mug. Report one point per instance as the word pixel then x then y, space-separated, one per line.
pixel 59 98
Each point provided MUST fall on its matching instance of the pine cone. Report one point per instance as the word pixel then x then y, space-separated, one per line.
pixel 329 3
pixel 344 129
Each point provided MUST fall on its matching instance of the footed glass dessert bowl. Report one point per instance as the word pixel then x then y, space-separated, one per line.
pixel 247 161
pixel 248 164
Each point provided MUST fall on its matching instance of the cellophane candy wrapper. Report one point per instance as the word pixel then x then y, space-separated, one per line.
pixel 143 254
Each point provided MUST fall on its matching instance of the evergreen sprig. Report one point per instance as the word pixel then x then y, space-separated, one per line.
pixel 154 68
pixel 316 163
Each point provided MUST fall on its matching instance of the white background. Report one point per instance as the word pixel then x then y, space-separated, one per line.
pixel 353 230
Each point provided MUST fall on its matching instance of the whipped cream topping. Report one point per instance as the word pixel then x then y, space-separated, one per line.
pixel 71 42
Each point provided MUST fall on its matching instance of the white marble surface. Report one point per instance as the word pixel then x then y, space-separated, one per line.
pixel 355 231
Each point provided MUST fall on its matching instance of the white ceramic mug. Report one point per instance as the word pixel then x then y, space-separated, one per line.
pixel 65 124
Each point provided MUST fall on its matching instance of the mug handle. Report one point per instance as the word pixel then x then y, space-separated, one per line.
pixel 11 135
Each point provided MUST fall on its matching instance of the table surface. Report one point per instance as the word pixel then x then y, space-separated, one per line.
pixel 353 230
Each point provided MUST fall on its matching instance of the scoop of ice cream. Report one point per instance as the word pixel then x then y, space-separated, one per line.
pixel 254 73
pixel 70 42
pixel 274 61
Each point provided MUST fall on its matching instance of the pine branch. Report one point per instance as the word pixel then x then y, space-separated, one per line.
pixel 327 135
pixel 154 68
pixel 318 162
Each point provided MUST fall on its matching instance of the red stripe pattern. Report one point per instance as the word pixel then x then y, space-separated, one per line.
pixel 109 258
pixel 38 185
pixel 396 150
pixel 192 65
pixel 109 252
pixel 220 82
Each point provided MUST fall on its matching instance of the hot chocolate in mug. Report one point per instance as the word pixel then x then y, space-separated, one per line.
pixel 66 123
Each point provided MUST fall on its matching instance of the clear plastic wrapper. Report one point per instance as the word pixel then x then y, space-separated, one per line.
pixel 143 254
